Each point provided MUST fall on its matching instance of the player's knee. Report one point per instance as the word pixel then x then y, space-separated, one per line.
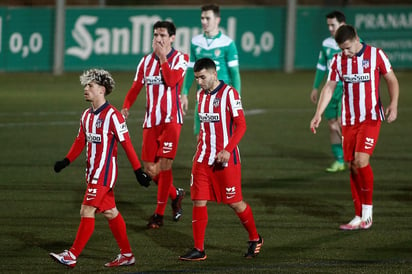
pixel 111 213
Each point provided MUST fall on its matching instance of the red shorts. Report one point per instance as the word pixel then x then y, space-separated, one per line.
pixel 160 142
pixel 100 197
pixel 360 138
pixel 218 184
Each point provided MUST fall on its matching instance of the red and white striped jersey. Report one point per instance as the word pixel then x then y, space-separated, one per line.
pixel 360 76
pixel 222 123
pixel 100 131
pixel 163 84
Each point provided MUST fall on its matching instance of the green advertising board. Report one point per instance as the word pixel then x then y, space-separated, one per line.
pixel 26 39
pixel 116 38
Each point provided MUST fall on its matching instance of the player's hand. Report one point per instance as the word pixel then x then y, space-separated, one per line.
pixel 142 177
pixel 391 113
pixel 314 124
pixel 125 113
pixel 59 165
pixel 185 103
pixel 314 96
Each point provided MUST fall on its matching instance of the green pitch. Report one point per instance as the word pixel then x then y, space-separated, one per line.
pixel 298 207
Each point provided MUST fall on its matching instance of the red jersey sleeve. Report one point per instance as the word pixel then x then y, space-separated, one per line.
pixel 173 76
pixel 77 146
pixel 236 110
pixel 136 86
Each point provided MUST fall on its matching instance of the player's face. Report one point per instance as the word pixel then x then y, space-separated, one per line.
pixel 93 91
pixel 210 23
pixel 351 47
pixel 161 36
pixel 333 25
pixel 206 79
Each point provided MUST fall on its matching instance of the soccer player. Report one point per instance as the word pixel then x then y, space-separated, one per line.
pixel 162 73
pixel 101 127
pixel 334 20
pixel 217 46
pixel 216 171
pixel 359 67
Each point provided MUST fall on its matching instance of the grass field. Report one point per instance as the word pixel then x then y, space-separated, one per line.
pixel 297 206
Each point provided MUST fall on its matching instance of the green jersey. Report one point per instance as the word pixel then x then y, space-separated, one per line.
pixel 222 50
pixel 329 49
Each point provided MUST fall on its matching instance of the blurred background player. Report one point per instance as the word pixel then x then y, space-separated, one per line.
pixel 359 67
pixel 216 171
pixel 217 46
pixel 334 20
pixel 101 127
pixel 162 73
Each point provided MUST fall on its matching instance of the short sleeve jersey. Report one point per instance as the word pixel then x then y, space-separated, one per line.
pixel 220 48
pixel 217 110
pixel 360 76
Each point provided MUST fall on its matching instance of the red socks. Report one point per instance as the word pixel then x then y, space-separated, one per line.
pixel 164 185
pixel 84 233
pixel 118 228
pixel 246 217
pixel 356 193
pixel 366 175
pixel 199 223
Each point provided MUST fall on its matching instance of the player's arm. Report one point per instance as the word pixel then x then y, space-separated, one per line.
pixel 187 84
pixel 393 90
pixel 233 66
pixel 119 129
pixel 172 76
pixel 324 99
pixel 74 152
pixel 236 110
pixel 321 68
pixel 235 75
pixel 134 90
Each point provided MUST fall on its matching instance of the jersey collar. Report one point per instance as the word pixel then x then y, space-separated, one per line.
pixel 217 88
pixel 362 50
pixel 100 109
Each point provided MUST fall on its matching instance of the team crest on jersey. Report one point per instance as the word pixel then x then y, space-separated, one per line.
pixel 99 123
pixel 365 64
pixel 217 52
pixel 216 102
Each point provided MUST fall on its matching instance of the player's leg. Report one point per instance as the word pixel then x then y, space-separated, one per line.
pixel 118 227
pixel 84 232
pixel 200 191
pixel 349 144
pixel 367 139
pixel 332 114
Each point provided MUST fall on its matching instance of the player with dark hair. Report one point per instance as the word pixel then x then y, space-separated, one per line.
pixel 101 127
pixel 162 73
pixel 217 46
pixel 359 66
pixel 216 171
pixel 334 20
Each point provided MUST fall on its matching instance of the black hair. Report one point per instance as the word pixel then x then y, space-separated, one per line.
pixel 213 7
pixel 345 33
pixel 204 63
pixel 340 17
pixel 171 28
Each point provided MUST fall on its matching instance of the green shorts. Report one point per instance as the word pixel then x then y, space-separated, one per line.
pixel 334 108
